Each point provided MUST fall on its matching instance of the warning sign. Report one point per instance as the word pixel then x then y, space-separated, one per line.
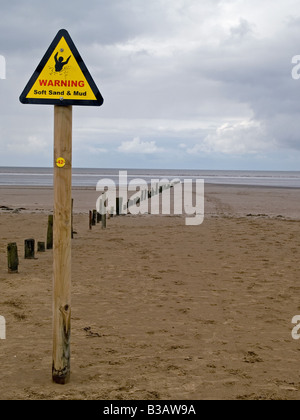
pixel 62 78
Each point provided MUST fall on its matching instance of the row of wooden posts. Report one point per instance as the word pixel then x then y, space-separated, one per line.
pixel 29 245
pixel 96 217
pixel 29 248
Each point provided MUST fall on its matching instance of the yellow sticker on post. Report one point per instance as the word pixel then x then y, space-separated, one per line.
pixel 60 162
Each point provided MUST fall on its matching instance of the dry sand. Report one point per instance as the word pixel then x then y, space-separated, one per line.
pixel 160 310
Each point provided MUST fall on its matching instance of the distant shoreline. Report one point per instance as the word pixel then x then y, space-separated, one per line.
pixel 228 200
pixel 91 188
pixel 88 178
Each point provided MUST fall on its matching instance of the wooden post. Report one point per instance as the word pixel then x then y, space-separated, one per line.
pixel 50 232
pixel 29 249
pixel 94 218
pixel 104 221
pixel 119 206
pixel 12 257
pixel 41 247
pixel 62 243
pixel 90 219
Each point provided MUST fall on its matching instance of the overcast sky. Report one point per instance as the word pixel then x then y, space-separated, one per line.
pixel 195 84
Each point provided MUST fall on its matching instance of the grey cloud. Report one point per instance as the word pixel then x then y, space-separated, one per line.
pixel 242 29
pixel 163 62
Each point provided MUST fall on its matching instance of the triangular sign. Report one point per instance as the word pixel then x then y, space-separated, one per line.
pixel 61 78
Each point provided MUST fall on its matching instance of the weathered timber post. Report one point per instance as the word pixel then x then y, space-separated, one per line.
pixel 120 206
pixel 87 95
pixel 29 246
pixel 104 221
pixel 94 217
pixel 90 219
pixel 62 243
pixel 50 232
pixel 12 257
pixel 41 247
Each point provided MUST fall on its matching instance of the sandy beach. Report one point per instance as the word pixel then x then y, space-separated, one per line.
pixel 160 310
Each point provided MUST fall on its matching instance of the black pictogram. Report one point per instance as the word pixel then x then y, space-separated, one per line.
pixel 59 63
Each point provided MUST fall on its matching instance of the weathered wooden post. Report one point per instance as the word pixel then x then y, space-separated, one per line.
pixel 117 206
pixel 94 217
pixel 29 246
pixel 50 84
pixel 12 258
pixel 104 221
pixel 62 243
pixel 41 247
pixel 120 206
pixel 50 232
pixel 90 219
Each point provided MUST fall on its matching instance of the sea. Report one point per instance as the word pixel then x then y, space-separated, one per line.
pixel 89 177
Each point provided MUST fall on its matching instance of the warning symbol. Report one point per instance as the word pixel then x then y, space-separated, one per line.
pixel 62 78
pixel 60 63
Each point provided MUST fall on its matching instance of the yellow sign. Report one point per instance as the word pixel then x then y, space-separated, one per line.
pixel 62 77
pixel 60 162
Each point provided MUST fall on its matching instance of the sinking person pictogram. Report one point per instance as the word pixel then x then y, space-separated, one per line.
pixel 59 63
